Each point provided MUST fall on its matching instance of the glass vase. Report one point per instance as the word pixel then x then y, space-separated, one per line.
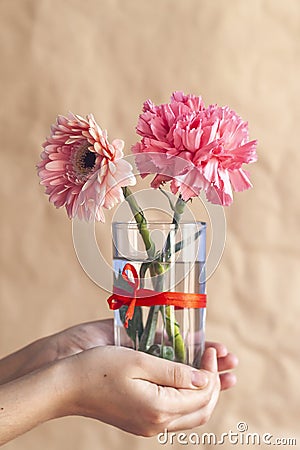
pixel 162 258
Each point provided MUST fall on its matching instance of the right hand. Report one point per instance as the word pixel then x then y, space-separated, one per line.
pixel 137 392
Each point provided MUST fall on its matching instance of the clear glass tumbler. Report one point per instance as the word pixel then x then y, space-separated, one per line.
pixel 167 258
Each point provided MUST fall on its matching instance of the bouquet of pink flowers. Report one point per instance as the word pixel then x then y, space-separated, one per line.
pixel 192 147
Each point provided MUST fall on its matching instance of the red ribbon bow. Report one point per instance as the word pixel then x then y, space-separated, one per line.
pixel 148 297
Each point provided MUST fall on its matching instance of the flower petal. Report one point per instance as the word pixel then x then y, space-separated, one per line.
pixel 240 180
pixel 83 186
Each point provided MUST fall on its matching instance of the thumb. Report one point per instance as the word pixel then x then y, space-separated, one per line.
pixel 172 374
pixel 209 360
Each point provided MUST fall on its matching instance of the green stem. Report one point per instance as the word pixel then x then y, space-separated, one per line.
pixel 173 331
pixel 140 220
pixel 178 211
pixel 156 269
pixel 179 246
pixel 172 326
pixel 148 335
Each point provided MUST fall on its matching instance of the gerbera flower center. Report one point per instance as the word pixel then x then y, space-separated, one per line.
pixel 84 160
pixel 89 160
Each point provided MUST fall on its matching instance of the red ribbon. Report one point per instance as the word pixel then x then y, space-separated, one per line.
pixel 148 297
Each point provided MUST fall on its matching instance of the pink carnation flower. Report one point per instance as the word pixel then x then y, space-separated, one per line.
pixel 156 126
pixel 81 170
pixel 195 147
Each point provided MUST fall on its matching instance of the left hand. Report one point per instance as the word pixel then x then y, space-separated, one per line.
pixel 83 337
pixel 52 348
pixel 93 334
pixel 88 335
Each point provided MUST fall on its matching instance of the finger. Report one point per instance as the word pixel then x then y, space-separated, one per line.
pixel 229 362
pixel 173 402
pixel 228 380
pixel 198 417
pixel 172 374
pixel 209 360
pixel 220 348
pixel 188 421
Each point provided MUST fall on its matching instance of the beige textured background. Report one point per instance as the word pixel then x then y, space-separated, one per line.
pixel 106 57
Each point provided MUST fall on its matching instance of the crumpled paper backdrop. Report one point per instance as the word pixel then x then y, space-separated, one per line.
pixel 107 57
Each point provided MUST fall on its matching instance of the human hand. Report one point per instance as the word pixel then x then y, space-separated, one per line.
pixel 51 348
pixel 92 334
pixel 83 337
pixel 98 383
pixel 137 392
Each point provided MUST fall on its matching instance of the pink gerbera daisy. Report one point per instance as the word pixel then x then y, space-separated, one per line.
pixel 81 170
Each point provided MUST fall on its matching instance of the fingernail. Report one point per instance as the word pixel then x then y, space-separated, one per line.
pixel 222 351
pixel 199 378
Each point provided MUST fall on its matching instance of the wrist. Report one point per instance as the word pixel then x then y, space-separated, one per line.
pixel 82 378
pixel 28 359
pixel 63 382
pixel 30 401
